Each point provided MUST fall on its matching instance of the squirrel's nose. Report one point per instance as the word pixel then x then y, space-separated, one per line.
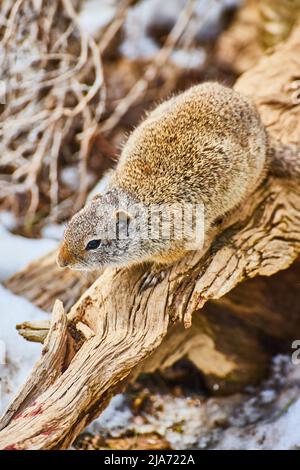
pixel 63 257
pixel 62 263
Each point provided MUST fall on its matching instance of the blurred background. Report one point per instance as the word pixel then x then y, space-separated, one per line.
pixel 75 78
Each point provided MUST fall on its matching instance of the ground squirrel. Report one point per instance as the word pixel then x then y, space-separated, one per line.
pixel 206 146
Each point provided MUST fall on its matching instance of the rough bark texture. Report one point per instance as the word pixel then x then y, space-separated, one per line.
pixel 116 330
pixel 41 282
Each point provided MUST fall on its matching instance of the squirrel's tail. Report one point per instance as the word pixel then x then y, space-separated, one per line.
pixel 284 159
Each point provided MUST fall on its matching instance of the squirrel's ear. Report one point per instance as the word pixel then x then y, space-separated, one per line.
pixel 123 219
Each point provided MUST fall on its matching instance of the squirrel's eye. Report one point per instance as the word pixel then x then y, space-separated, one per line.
pixel 93 244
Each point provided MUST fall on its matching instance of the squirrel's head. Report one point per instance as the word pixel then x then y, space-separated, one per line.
pixel 114 230
pixel 98 235
pixel 111 230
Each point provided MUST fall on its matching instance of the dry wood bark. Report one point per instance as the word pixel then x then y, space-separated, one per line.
pixel 116 330
pixel 41 282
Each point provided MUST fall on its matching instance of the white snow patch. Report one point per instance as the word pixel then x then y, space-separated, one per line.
pixel 141 17
pixel 69 176
pixel 279 434
pixel 19 355
pixel 53 231
pixel 190 59
pixel 16 252
pixel 96 14
pixel 115 418
pixel 7 219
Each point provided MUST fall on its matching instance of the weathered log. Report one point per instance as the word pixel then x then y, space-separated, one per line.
pixel 110 333
pixel 41 282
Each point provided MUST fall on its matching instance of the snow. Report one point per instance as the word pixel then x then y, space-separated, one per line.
pixel 53 231
pixel 114 419
pixel 261 418
pixel 7 220
pixel 138 44
pixel 96 14
pixel 69 176
pixel 16 252
pixel 269 419
pixel 191 59
pixel 17 355
pixel 278 435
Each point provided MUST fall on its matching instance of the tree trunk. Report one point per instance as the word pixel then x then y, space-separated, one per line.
pixel 116 329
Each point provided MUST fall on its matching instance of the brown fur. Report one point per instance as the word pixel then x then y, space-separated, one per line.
pixel 206 145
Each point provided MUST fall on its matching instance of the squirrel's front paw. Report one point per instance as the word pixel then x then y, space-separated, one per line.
pixel 152 279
